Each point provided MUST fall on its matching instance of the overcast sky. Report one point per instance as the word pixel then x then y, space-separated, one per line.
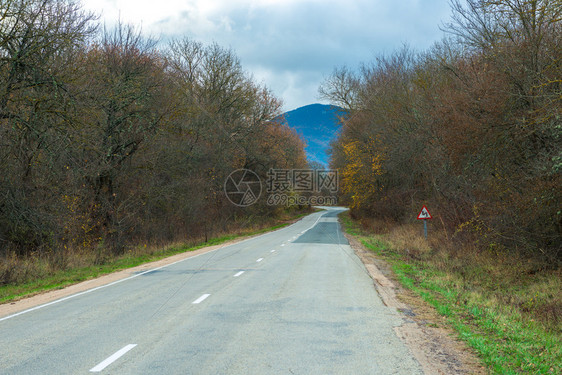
pixel 288 45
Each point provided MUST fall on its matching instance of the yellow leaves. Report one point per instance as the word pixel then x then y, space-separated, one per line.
pixel 79 228
pixel 361 171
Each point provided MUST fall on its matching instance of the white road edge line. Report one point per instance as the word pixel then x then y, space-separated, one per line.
pixel 259 260
pixel 137 275
pixel 103 286
pixel 200 299
pixel 114 357
pixel 239 273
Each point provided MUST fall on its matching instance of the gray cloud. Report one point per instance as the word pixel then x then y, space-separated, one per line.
pixel 292 45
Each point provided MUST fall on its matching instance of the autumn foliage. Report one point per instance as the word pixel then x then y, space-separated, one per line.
pixel 472 128
pixel 108 142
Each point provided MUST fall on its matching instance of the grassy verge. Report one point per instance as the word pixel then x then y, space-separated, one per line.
pixel 57 279
pixel 497 308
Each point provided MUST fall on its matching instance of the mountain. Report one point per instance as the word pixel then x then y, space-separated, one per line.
pixel 318 124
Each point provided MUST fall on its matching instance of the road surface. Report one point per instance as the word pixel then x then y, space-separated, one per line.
pixel 293 301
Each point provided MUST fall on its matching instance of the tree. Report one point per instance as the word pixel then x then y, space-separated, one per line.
pixel 125 107
pixel 474 129
pixel 38 41
pixel 519 43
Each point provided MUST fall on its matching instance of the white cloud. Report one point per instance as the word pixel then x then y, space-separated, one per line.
pixel 289 44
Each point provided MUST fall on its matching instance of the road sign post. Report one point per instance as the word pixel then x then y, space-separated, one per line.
pixel 424 215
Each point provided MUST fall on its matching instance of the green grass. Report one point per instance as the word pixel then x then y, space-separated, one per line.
pixel 61 278
pixel 506 341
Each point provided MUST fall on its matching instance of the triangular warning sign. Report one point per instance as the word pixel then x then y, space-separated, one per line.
pixel 424 214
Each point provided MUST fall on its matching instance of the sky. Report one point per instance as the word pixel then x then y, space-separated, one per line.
pixel 290 46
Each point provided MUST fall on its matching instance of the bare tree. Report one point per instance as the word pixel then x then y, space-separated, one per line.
pixel 126 107
pixel 38 40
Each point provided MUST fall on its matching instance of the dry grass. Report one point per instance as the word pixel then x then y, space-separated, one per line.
pixel 520 284
pixel 506 307
pixel 47 270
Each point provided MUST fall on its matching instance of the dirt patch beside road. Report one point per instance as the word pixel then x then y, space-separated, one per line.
pixel 424 331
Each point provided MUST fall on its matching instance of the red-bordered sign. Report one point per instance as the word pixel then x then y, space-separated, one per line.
pixel 424 214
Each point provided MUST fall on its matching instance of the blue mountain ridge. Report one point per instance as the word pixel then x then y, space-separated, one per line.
pixel 318 125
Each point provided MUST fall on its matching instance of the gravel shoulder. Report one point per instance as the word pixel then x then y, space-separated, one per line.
pixel 424 331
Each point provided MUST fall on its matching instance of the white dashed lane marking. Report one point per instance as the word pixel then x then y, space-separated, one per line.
pixel 114 357
pixel 201 299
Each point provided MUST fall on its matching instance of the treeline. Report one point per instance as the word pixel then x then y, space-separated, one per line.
pixel 107 140
pixel 471 127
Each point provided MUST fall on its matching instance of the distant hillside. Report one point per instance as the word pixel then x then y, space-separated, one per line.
pixel 318 125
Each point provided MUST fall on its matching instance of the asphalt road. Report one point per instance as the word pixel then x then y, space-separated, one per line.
pixel 293 301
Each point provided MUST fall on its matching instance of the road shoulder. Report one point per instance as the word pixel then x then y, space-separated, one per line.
pixel 424 331
pixel 23 304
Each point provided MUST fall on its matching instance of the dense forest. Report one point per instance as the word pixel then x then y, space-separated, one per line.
pixel 108 139
pixel 471 127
